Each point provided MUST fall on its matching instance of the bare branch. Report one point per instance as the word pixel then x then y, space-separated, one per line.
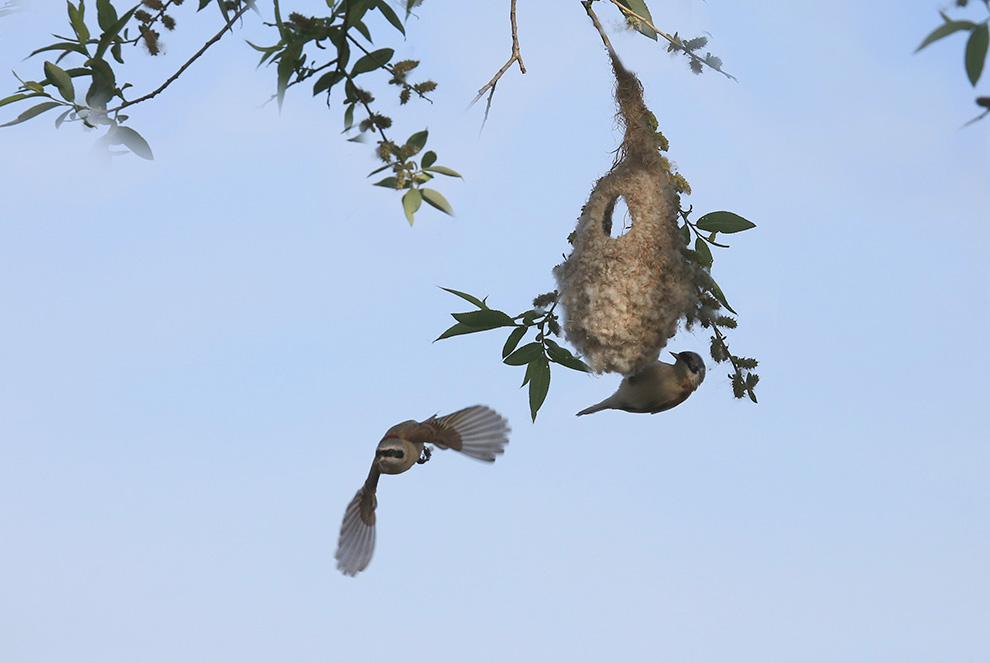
pixel 515 57
pixel 598 26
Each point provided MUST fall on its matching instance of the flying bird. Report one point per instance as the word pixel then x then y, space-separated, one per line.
pixel 478 431
pixel 657 387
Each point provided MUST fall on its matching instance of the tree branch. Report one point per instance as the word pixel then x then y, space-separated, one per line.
pixel 628 12
pixel 515 57
pixel 598 26
pixel 173 77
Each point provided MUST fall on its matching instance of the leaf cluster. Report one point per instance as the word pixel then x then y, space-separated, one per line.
pixel 536 355
pixel 975 54
pixel 99 53
pixel 710 296
pixel 410 175
pixel 336 50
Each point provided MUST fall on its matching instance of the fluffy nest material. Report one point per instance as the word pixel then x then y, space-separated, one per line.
pixel 623 296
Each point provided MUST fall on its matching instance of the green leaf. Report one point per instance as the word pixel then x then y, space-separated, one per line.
pixel 525 354
pixel 428 159
pixel 417 140
pixel 640 8
pixel 720 296
pixel 390 16
pixel 456 330
pixel 724 222
pixel 564 357
pixel 539 384
pixel 32 112
pixel 512 341
pixel 463 295
pixel 976 52
pixel 104 84
pixel 484 319
pixel 372 61
pixel 65 46
pixel 945 30
pixel 704 253
pixel 132 140
pixel 106 14
pixel 349 118
pixel 19 96
pixel 327 81
pixel 110 35
pixel 411 202
pixel 443 170
pixel 62 81
pixel 287 63
pixel 388 183
pixel 686 234
pixel 203 3
pixel 434 198
pixel 362 28
pixel 76 20
pixel 61 118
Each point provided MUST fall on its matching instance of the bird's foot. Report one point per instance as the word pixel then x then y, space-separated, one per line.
pixel 424 455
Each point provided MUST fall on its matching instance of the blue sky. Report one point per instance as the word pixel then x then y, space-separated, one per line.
pixel 201 352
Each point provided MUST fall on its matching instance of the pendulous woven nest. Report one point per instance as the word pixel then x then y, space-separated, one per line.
pixel 624 296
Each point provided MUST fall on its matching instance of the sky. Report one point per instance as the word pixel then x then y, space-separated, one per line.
pixel 200 353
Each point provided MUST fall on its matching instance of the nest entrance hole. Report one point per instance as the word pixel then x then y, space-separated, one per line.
pixel 616 221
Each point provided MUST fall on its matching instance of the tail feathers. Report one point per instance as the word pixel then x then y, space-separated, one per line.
pixel 483 432
pixel 357 533
pixel 598 407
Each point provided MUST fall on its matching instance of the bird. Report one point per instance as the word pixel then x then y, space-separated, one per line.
pixel 478 431
pixel 657 387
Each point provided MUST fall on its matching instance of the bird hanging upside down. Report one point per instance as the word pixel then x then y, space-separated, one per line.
pixel 656 387
pixel 477 431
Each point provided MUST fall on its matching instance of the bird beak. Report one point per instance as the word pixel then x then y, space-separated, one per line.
pixel 676 356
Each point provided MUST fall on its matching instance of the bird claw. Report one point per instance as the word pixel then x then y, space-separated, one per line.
pixel 424 455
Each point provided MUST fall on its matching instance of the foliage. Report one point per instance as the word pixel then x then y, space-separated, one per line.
pixel 638 17
pixel 541 319
pixel 712 298
pixel 85 78
pixel 343 48
pixel 536 355
pixel 975 54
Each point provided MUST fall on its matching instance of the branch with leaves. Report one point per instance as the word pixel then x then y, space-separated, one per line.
pixel 976 47
pixel 638 17
pixel 537 355
pixel 93 110
pixel 542 320
pixel 705 232
pixel 345 31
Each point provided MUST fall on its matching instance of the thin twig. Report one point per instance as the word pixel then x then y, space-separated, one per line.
pixel 628 12
pixel 173 77
pixel 598 26
pixel 515 57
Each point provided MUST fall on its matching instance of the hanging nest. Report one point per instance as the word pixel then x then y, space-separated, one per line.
pixel 623 296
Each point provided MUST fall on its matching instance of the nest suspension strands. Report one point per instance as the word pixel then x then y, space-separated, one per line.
pixel 624 296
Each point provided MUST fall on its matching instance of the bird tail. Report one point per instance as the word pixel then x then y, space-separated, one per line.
pixel 357 533
pixel 598 407
pixel 483 432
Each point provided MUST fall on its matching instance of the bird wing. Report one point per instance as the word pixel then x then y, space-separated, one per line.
pixel 357 532
pixel 478 431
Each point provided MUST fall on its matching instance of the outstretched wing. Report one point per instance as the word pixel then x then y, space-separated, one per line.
pixel 478 431
pixel 357 533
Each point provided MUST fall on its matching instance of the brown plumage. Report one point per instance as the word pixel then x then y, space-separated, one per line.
pixel 477 431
